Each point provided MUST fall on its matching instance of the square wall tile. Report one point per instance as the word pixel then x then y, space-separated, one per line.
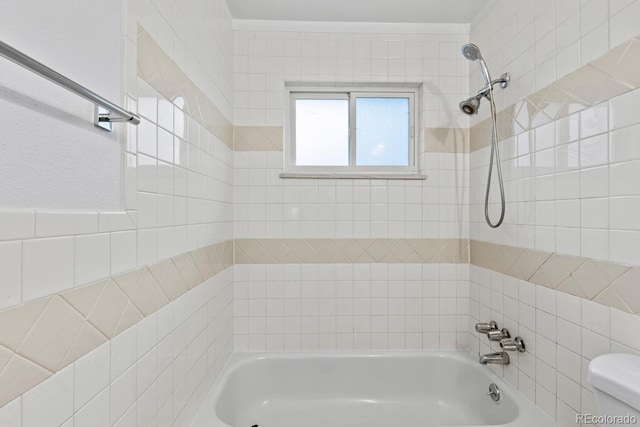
pixel 11 413
pixel 50 403
pixel 123 251
pixel 621 110
pixel 16 225
pixel 11 267
pixel 92 258
pixel 91 375
pixel 95 413
pixel 47 267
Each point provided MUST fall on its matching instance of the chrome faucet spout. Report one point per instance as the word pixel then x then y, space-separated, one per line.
pixel 499 358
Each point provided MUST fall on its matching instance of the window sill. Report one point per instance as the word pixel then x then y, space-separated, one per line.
pixel 301 175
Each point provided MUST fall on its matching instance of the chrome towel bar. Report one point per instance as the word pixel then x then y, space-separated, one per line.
pixel 106 112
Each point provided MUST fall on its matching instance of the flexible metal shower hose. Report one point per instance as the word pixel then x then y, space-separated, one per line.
pixel 495 152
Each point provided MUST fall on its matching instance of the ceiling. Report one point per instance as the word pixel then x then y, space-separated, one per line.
pixel 395 11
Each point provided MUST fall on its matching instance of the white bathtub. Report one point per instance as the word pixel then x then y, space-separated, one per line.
pixel 444 388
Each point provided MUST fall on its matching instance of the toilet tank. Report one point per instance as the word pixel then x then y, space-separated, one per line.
pixel 615 379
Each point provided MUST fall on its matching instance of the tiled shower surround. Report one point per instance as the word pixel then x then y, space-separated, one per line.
pixel 214 252
pixel 562 271
pixel 350 263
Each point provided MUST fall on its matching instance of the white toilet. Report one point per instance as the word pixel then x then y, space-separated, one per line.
pixel 615 379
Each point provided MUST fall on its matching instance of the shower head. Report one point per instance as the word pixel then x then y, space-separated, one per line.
pixel 471 52
pixel 470 106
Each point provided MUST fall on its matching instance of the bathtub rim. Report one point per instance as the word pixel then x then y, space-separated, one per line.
pixel 529 414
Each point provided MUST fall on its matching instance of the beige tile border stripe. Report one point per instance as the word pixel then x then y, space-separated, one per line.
pixel 270 138
pixel 257 138
pixel 613 74
pixel 317 251
pixel 164 75
pixel 41 337
pixel 607 283
pixel 446 140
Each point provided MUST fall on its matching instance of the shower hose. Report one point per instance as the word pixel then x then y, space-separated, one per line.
pixel 495 153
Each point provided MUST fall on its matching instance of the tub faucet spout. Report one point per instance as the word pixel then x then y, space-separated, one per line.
pixel 499 358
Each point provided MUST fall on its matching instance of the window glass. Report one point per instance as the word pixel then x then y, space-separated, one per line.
pixel 322 132
pixel 382 131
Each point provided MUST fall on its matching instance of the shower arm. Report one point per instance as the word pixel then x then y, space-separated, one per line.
pixel 503 81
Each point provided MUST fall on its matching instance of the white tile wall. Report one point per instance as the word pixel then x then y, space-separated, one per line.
pixel 350 306
pixel 570 188
pixel 571 185
pixel 173 218
pixel 266 206
pixel 264 60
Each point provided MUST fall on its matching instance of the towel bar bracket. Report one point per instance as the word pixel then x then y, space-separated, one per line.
pixel 104 119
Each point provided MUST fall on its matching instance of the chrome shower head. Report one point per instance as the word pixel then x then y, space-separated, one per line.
pixel 471 52
pixel 470 106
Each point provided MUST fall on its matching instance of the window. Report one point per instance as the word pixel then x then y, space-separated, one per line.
pixel 354 132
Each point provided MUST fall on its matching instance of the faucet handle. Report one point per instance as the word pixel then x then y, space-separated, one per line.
pixel 513 344
pixel 498 335
pixel 485 328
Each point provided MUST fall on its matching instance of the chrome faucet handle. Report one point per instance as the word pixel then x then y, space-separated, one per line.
pixel 485 328
pixel 513 344
pixel 498 335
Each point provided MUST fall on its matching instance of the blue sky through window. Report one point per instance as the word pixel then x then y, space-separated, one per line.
pixel 382 131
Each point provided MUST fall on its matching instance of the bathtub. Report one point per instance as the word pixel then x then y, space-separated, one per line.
pixel 443 388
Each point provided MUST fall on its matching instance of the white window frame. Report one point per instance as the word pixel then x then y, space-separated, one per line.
pixel 291 170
